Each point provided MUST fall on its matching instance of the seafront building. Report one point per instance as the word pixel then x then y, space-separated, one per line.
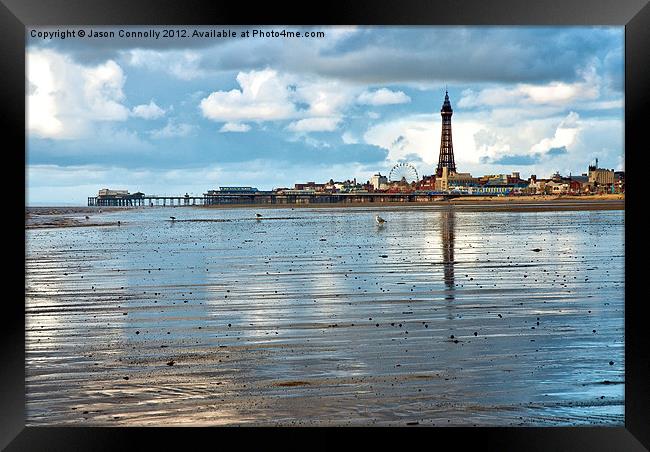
pixel 379 182
pixel 600 176
pixel 453 180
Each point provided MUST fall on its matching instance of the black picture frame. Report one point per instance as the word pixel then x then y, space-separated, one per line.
pixel 16 15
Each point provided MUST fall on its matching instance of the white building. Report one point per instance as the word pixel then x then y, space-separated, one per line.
pixel 379 182
pixel 106 192
pixel 558 188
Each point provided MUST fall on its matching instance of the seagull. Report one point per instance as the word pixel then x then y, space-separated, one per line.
pixel 173 218
pixel 87 217
pixel 258 215
pixel 379 219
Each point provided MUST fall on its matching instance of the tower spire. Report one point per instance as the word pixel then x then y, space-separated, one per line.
pixel 446 158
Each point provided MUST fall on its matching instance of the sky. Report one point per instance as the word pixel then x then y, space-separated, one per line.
pixel 176 115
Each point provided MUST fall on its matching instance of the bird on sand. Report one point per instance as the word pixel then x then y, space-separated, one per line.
pixel 379 219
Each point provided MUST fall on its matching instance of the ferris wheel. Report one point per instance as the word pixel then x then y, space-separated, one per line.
pixel 403 171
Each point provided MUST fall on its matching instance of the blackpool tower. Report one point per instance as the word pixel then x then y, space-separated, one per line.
pixel 446 158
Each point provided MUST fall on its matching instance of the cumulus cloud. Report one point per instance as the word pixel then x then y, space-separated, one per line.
pixel 323 97
pixel 412 135
pixel 564 137
pixel 65 98
pixel 314 104
pixel 383 96
pixel 103 93
pixel 314 125
pixel 552 93
pixel 235 127
pixel 420 135
pixel 148 111
pixel 480 140
pixel 263 96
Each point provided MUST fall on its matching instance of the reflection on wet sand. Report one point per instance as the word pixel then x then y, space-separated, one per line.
pixel 441 316
pixel 447 226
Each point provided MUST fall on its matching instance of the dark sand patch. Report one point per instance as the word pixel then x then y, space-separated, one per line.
pixel 291 384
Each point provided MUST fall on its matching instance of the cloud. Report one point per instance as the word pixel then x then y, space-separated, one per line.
pixel 485 137
pixel 107 142
pixel 420 135
pixel 234 127
pixel 263 97
pixel 378 55
pixel 564 137
pixel 383 96
pixel 481 139
pixel 323 97
pixel 148 111
pixel 182 64
pixel 557 151
pixel 349 138
pixel 102 90
pixel 316 105
pixel 173 130
pixel 552 93
pixel 457 54
pixel 314 125
pixel 65 99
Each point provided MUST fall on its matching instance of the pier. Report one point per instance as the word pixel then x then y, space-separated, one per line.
pixel 141 200
pixel 146 201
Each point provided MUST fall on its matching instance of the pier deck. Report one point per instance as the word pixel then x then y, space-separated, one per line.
pixel 267 198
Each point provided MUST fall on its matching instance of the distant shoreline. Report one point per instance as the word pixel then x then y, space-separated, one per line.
pixel 48 210
pixel 482 203
pixel 58 217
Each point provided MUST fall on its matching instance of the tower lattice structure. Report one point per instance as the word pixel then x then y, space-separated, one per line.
pixel 446 158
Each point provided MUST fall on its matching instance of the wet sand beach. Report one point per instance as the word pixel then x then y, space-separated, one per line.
pixel 447 315
pixel 62 217
pixel 478 203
